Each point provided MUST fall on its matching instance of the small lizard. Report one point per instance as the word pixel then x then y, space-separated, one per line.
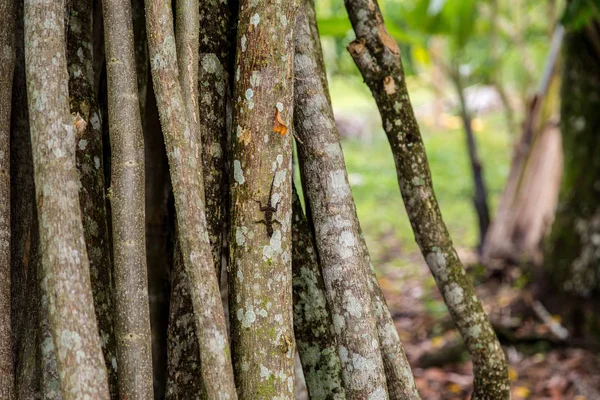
pixel 269 210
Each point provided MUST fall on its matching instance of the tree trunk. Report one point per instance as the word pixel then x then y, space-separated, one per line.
pixel 65 268
pixel 529 199
pixel 315 337
pixel 342 253
pixel 132 322
pixel 7 64
pixel 260 275
pixel 378 58
pixel 185 164
pixel 480 197
pixel 573 249
pixel 89 153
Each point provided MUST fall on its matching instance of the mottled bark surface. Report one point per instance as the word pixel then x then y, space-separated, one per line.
pixel 378 58
pixel 185 165
pixel 89 153
pixel 7 64
pixel 572 257
pixel 313 327
pixel 260 274
pixel 132 322
pixel 216 59
pixel 182 345
pixel 65 268
pixel 342 256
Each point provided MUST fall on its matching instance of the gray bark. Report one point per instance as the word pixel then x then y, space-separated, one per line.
pixel 260 279
pixel 64 264
pixel 185 164
pixel 313 327
pixel 89 154
pixel 378 58
pixel 132 322
pixel 337 232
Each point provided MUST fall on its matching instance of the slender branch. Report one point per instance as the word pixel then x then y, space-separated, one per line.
pixel 312 320
pixel 65 268
pixel 378 58
pixel 321 155
pixel 132 323
pixel 89 153
pixel 7 64
pixel 185 164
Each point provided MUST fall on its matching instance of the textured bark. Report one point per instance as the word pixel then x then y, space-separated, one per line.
pixel 65 268
pixel 214 92
pixel 260 278
pixel 216 59
pixel 132 322
pixel 182 345
pixel 572 256
pixel 312 321
pixel 24 232
pixel 89 153
pixel 185 165
pixel 7 64
pixel 337 232
pixel 378 58
pixel 49 379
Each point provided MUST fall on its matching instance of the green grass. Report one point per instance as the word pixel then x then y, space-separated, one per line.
pixel 373 177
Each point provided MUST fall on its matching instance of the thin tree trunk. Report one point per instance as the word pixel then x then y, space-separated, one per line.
pixel 182 343
pixel 216 61
pixel 316 129
pixel 260 279
pixel 65 268
pixel 337 232
pixel 132 323
pixel 313 330
pixel 185 164
pixel 49 379
pixel 7 64
pixel 480 198
pixel 89 153
pixel 378 58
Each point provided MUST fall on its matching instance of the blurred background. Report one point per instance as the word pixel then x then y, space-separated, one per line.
pixel 484 80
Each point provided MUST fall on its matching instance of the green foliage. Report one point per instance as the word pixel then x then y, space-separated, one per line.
pixel 579 12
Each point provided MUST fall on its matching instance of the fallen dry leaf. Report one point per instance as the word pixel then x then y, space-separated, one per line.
pixel 279 126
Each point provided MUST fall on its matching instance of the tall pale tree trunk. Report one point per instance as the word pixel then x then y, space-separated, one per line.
pixel 260 276
pixel 65 267
pixel 378 58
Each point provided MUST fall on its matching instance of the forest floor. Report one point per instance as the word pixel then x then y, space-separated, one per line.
pixel 541 366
